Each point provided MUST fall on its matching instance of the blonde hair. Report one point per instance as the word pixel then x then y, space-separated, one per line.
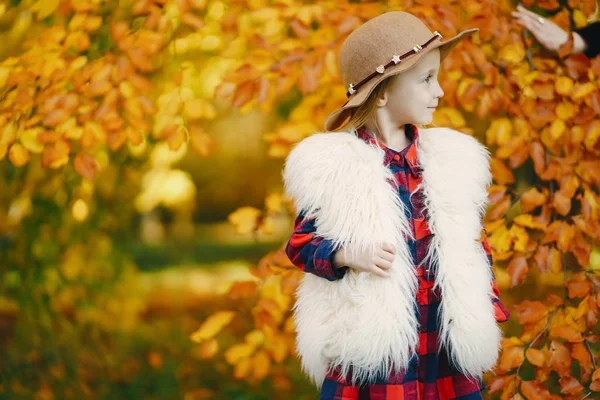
pixel 363 113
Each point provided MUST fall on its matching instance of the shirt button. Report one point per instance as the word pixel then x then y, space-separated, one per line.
pixel 396 157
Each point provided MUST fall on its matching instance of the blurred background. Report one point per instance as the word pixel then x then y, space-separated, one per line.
pixel 142 216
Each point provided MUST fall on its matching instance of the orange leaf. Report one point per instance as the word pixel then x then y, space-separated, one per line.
pixel 560 358
pixel 536 357
pixel 244 93
pixel 578 288
pixel 533 390
pixel 56 117
pixel 208 349
pixel 561 203
pixel 548 259
pixel 517 269
pixel 530 311
pixel 532 199
pixel 502 174
pixel 511 358
pixel 570 385
pixel 85 165
pixel 56 154
pixel 538 154
pixel 566 332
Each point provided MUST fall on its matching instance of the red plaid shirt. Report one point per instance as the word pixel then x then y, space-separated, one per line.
pixel 430 375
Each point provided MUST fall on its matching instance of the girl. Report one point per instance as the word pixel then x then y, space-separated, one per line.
pixel 400 301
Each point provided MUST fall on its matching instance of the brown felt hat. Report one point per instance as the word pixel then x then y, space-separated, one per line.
pixel 382 47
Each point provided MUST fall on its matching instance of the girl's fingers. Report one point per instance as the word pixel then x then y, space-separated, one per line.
pixel 527 12
pixel 383 263
pixel 385 255
pixel 379 272
pixel 390 248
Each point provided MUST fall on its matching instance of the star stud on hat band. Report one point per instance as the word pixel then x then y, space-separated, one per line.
pixel 352 88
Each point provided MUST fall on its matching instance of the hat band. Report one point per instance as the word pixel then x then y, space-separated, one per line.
pixel 352 88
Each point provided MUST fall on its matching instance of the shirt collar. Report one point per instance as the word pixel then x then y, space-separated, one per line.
pixel 407 156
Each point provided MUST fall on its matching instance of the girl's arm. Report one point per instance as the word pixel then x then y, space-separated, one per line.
pixel 312 253
pixel 500 311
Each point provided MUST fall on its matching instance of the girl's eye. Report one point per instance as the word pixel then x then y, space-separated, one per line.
pixel 428 79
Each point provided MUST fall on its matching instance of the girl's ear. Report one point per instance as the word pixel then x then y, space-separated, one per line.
pixel 382 100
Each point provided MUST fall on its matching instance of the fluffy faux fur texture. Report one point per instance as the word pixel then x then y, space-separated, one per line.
pixel 366 324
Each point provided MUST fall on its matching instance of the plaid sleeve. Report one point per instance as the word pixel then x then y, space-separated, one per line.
pixel 500 311
pixel 312 253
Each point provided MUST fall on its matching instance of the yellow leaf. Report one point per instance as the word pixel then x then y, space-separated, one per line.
pixel 255 337
pixel 242 368
pixel 500 240
pixel 566 110
pixel 199 109
pixel 177 138
pixel 3 76
pixel 582 91
pixel 9 133
pixel 499 131
pixel 3 151
pixel 557 129
pixel 274 202
pixel 245 219
pixel 126 89
pixel 212 325
pixel 238 352
pixel 18 155
pixel 278 348
pixel 564 85
pixel 76 21
pixel 78 63
pixel 29 139
pixel 592 135
pixel 455 118
pixel 80 210
pixel 44 8
pixel 261 364
pixel 520 237
pixel 331 65
pixel 527 221
pixel 512 53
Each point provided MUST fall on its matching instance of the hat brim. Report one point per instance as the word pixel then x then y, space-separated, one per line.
pixel 341 116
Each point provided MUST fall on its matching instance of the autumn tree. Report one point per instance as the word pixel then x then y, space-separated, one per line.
pixel 538 115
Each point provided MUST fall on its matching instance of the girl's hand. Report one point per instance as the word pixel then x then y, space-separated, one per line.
pixel 378 263
pixel 550 35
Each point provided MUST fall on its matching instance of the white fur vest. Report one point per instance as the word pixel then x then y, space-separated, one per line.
pixel 367 322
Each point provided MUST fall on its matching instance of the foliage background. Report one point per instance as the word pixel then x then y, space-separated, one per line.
pixel 142 220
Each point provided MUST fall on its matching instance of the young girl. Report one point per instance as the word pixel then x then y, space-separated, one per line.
pixel 400 301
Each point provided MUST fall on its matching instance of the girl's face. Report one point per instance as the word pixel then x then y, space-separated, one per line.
pixel 413 95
